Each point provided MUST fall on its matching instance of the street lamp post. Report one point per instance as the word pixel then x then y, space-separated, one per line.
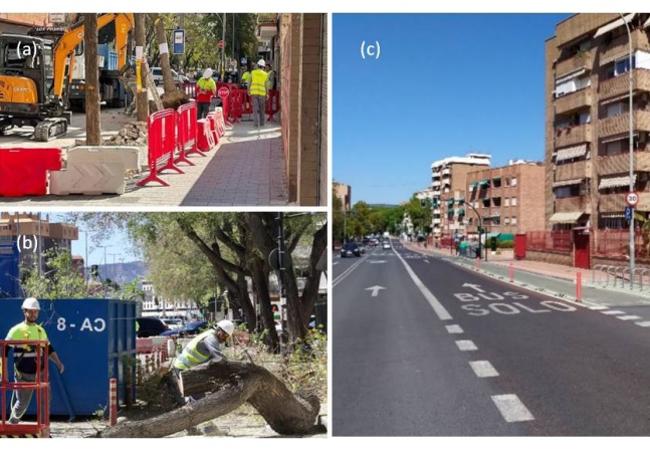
pixel 631 145
pixel 480 228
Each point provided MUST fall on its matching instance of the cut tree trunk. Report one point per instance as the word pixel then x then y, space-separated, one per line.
pixel 232 384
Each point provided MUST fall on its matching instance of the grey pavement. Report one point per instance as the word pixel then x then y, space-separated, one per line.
pixel 445 350
pixel 245 169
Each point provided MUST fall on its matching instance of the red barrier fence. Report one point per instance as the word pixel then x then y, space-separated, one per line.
pixel 23 171
pixel 224 95
pixel 272 104
pixel 161 127
pixel 40 386
pixel 189 88
pixel 187 132
pixel 550 241
pixel 615 244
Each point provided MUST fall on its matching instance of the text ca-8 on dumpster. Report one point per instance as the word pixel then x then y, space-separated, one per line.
pixel 87 325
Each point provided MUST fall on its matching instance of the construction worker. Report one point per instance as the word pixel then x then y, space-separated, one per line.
pixel 271 82
pixel 245 81
pixel 201 349
pixel 206 88
pixel 257 91
pixel 25 356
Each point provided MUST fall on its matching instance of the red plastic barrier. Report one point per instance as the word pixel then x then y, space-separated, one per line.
pixel 224 94
pixel 236 100
pixel 40 386
pixel 161 132
pixel 212 119
pixel 221 125
pixel 272 104
pixel 23 171
pixel 189 88
pixel 205 140
pixel 247 103
pixel 187 132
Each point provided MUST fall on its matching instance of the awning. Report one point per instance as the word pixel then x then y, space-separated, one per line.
pixel 493 235
pixel 618 137
pixel 612 215
pixel 568 182
pixel 460 212
pixel 612 25
pixel 571 153
pixel 450 202
pixel 472 186
pixel 617 181
pixel 566 217
pixel 484 182
pixel 569 76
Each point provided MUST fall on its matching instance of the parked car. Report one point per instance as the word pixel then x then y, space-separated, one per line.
pixel 157 75
pixel 150 327
pixel 386 245
pixel 173 323
pixel 350 249
pixel 191 328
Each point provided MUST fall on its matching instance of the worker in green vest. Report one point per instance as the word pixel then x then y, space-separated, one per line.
pixel 25 356
pixel 205 347
pixel 245 79
pixel 257 91
pixel 206 88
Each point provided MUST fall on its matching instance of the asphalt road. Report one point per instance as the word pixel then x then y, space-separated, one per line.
pixel 423 347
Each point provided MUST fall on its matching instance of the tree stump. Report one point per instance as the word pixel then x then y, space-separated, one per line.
pixel 230 384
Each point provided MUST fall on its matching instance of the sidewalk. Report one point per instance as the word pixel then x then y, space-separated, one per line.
pixel 246 168
pixel 552 279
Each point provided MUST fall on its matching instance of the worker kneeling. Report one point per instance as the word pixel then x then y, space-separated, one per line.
pixel 201 349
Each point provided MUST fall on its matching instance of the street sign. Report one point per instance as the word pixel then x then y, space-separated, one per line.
pixel 56 18
pixel 221 44
pixel 179 41
pixel 632 198
pixel 223 92
pixel 628 213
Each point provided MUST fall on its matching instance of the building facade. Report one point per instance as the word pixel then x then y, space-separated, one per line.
pixel 587 115
pixel 344 193
pixel 448 186
pixel 508 199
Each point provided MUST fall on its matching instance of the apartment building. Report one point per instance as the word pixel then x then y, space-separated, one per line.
pixel 344 193
pixel 587 115
pixel 448 186
pixel 509 199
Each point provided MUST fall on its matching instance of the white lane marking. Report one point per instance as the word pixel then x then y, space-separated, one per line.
pixel 454 328
pixel 466 345
pixel 629 318
pixel 335 263
pixel 512 409
pixel 348 271
pixel 643 323
pixel 613 312
pixel 596 307
pixel 427 261
pixel 483 369
pixel 440 311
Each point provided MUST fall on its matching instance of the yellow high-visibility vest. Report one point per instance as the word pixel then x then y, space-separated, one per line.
pixel 191 357
pixel 258 83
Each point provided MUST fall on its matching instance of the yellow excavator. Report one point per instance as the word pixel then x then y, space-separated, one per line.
pixel 33 76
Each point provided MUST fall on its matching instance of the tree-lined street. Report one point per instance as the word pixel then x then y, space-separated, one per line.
pixel 443 350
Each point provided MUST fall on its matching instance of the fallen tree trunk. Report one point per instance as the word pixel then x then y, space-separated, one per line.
pixel 232 384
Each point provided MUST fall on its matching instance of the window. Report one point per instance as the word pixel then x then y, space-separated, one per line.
pixel 513 221
pixel 496 182
pixel 614 109
pixel 622 65
pixel 567 191
pixel 496 201
pixel 507 182
pixel 507 201
pixel 513 202
pixel 506 221
pixel 513 183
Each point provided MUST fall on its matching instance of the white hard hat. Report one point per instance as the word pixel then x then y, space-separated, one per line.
pixel 261 62
pixel 207 73
pixel 31 304
pixel 226 326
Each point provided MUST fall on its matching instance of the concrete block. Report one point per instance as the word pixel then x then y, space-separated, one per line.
pixel 132 157
pixel 89 178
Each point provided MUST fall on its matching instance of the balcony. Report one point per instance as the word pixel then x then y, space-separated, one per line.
pixel 615 202
pixel 446 182
pixel 572 135
pixel 435 174
pixel 609 165
pixel 573 101
pixel 571 204
pixel 619 124
pixel 619 46
pixel 619 86
pixel 580 24
pixel 573 170
pixel 582 60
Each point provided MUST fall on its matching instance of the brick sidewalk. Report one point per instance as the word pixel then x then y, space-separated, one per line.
pixel 246 168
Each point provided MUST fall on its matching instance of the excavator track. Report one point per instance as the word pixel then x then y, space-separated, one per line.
pixel 50 128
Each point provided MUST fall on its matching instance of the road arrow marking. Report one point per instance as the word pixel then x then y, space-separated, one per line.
pixel 375 290
pixel 474 286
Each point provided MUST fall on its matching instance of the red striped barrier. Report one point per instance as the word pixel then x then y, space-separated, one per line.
pixel 205 140
pixel 161 145
pixel 224 95
pixel 272 104
pixel 187 132
pixel 212 119
pixel 23 171
pixel 112 401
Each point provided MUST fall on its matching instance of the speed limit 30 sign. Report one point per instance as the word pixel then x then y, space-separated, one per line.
pixel 632 198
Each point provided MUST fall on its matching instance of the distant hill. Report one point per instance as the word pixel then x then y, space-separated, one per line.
pixel 376 206
pixel 123 272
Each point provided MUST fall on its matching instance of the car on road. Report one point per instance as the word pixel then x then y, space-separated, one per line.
pixel 157 75
pixel 173 323
pixel 386 245
pixel 150 327
pixel 191 328
pixel 350 249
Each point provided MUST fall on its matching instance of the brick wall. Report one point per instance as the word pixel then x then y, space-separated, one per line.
pixel 550 55
pixel 531 200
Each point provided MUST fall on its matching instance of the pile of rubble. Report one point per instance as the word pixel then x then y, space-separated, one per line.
pixel 131 134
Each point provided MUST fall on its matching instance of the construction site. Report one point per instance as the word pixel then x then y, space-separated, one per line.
pixel 194 342
pixel 115 109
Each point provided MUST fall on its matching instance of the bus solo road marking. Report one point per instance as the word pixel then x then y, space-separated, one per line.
pixel 516 308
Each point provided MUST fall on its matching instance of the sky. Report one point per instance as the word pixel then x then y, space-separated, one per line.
pixel 444 85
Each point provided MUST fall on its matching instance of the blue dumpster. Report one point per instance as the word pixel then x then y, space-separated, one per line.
pixel 95 339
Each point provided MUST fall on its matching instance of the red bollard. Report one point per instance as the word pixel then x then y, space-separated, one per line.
pixel 511 273
pixel 112 396
pixel 578 286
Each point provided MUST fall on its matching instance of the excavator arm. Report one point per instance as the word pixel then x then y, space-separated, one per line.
pixel 66 45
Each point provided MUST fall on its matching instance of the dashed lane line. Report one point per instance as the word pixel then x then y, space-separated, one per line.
pixel 454 329
pixel 483 369
pixel 512 409
pixel 440 311
pixel 466 345
pixel 643 323
pixel 629 317
pixel 348 271
pixel 613 312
